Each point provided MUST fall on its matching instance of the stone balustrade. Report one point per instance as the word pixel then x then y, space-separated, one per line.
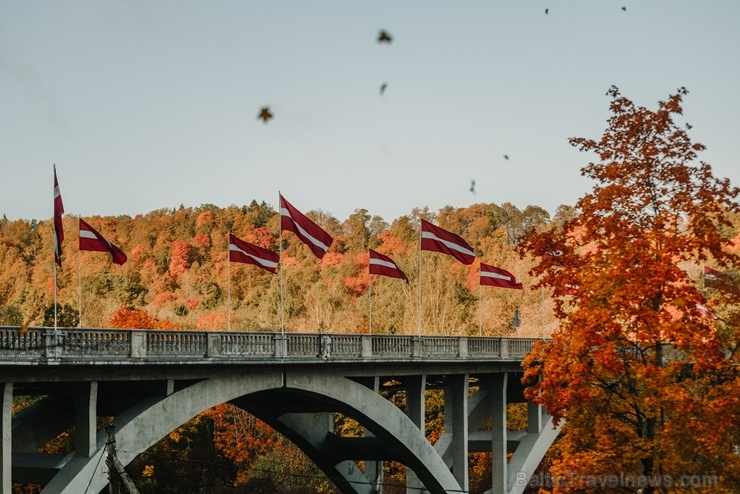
pixel 45 345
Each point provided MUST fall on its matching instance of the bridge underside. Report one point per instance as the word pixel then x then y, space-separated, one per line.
pixel 298 404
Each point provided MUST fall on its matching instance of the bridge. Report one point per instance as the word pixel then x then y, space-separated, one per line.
pixel 152 382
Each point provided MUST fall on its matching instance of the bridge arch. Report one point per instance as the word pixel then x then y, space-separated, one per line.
pixel 141 426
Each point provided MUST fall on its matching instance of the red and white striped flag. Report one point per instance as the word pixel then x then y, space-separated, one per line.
pixel 309 232
pixel 384 265
pixel 493 276
pixel 90 239
pixel 436 239
pixel 705 313
pixel 58 226
pixel 713 278
pixel 241 251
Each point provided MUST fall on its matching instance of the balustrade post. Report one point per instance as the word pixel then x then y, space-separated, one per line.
pixel 504 348
pixel 418 347
pixel 138 344
pixel 213 345
pixel 280 343
pixel 367 346
pixel 462 351
pixel 52 344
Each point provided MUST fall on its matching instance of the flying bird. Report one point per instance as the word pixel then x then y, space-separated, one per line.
pixel 546 11
pixel 265 114
pixel 384 37
pixel 689 126
pixel 506 157
pixel 624 8
pixel 382 88
pixel 472 186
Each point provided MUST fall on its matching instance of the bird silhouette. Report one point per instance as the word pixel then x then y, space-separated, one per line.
pixel 265 114
pixel 384 37
pixel 546 11
pixel 689 126
pixel 472 186
pixel 382 88
pixel 624 8
pixel 506 157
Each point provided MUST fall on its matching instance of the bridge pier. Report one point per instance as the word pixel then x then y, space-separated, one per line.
pixel 416 411
pixel 86 399
pixel 6 405
pixel 499 439
pixel 456 421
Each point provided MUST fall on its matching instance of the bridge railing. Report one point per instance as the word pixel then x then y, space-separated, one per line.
pixel 72 344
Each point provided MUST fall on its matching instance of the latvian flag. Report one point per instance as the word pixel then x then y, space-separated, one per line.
pixel 436 239
pixel 384 265
pixel 309 232
pixel 712 277
pixel 90 239
pixel 58 227
pixel 493 276
pixel 241 251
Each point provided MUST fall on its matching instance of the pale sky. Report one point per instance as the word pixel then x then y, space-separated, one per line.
pixel 149 104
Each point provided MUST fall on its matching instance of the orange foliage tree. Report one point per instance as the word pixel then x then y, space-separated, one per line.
pixel 125 318
pixel 647 384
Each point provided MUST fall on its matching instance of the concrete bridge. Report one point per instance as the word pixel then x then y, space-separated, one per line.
pixel 151 382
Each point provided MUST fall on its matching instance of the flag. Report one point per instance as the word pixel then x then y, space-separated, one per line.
pixel 58 227
pixel 571 289
pixel 713 278
pixel 309 232
pixel 705 313
pixel 384 265
pixel 90 239
pixel 241 251
pixel 493 276
pixel 553 257
pixel 436 239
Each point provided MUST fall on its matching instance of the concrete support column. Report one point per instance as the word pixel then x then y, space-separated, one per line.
pixel 86 428
pixel 373 469
pixel 456 395
pixel 498 433
pixel 6 404
pixel 415 410
pixel 534 418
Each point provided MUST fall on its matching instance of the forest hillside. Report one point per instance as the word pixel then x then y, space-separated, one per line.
pixel 178 275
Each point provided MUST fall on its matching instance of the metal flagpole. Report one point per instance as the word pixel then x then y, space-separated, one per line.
pixel 280 244
pixel 228 283
pixel 480 310
pixel 79 286
pixel 418 323
pixel 369 304
pixel 55 290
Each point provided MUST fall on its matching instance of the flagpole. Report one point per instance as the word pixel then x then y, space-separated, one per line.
pixel 79 286
pixel 280 244
pixel 228 283
pixel 369 304
pixel 55 292
pixel 480 310
pixel 418 322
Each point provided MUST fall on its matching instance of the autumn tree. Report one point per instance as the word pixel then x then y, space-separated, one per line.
pixel 646 380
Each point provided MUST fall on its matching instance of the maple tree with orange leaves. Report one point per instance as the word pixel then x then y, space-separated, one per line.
pixel 648 387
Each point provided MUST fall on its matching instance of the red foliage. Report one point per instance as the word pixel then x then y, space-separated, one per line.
pixel 180 258
pixel 163 298
pixel 202 241
pixel 391 244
